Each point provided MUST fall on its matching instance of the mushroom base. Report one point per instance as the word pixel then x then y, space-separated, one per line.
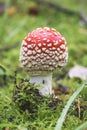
pixel 45 81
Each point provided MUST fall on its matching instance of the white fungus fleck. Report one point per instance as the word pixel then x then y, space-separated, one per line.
pixel 29 39
pixel 36 48
pixel 47 51
pixel 44 33
pixel 44 39
pixel 55 43
pixel 60 57
pixel 48 40
pixel 29 52
pixel 61 52
pixel 47 57
pixel 63 38
pixel 39 44
pixel 62 46
pixel 56 58
pixel 29 46
pixel 34 52
pixel 44 44
pixel 24 43
pixel 30 64
pixel 55 33
pixel 53 29
pixel 38 51
pixel 60 40
pixel 34 36
pixel 46 28
pixel 34 63
pixel 25 49
pixel 49 45
pixel 43 49
pixel 53 48
pixel 58 49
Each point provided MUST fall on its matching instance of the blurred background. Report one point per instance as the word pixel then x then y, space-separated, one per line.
pixel 17 18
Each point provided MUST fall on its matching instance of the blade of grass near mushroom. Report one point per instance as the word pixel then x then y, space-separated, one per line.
pixel 43 51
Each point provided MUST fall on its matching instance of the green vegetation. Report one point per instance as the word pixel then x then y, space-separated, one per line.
pixel 15 93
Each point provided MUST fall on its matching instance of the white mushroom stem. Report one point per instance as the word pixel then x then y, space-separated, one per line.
pixel 45 82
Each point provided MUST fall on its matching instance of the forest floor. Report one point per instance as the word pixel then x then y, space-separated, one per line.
pixel 40 113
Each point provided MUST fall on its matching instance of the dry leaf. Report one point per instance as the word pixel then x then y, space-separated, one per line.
pixel 78 72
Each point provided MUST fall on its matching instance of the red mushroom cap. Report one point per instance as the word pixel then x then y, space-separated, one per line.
pixel 43 50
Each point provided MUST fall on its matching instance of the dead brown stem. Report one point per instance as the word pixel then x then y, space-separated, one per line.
pixel 78 106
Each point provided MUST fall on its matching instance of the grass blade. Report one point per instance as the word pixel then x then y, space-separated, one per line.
pixel 65 110
pixel 82 127
pixel 8 125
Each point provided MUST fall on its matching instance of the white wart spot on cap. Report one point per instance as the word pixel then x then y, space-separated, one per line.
pixel 29 52
pixel 48 40
pixel 49 45
pixel 34 52
pixel 55 43
pixel 60 40
pixel 56 58
pixel 29 46
pixel 46 28
pixel 43 49
pixel 25 49
pixel 39 51
pixel 29 39
pixel 39 44
pixel 44 39
pixel 24 43
pixel 62 46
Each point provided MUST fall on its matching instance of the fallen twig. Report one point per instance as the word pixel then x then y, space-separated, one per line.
pixel 81 15
pixel 56 6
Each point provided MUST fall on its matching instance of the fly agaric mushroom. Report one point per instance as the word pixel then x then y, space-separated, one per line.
pixel 43 51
